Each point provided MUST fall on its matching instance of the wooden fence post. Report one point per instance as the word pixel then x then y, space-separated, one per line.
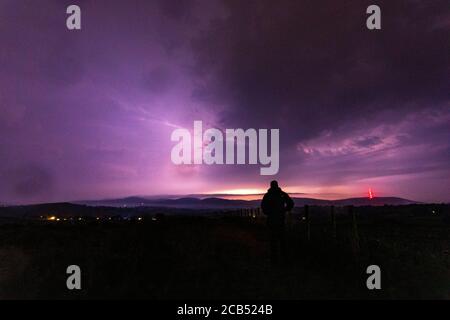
pixel 355 229
pixel 333 222
pixel 308 225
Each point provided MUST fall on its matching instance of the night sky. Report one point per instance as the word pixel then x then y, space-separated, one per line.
pixel 88 114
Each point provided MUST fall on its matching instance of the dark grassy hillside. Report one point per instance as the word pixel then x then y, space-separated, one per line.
pixel 227 257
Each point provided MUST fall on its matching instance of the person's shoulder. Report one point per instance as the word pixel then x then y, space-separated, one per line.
pixel 284 194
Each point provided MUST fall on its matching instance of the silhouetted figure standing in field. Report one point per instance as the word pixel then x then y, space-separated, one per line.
pixel 274 205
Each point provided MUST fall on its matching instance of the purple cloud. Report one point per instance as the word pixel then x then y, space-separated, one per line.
pixel 89 113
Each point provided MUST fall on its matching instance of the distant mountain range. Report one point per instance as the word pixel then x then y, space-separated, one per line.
pixel 132 206
pixel 220 203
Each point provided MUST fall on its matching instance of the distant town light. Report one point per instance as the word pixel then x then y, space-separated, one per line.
pixel 51 218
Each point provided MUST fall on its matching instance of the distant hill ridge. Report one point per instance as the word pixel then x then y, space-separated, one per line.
pixel 132 206
pixel 216 202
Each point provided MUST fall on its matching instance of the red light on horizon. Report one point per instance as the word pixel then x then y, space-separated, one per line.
pixel 370 193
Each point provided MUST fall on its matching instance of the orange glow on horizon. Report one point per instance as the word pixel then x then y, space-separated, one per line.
pixel 240 192
pixel 334 192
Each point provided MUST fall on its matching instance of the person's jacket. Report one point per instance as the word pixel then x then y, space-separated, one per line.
pixel 275 203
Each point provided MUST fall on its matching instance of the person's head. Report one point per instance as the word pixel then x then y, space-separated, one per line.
pixel 274 184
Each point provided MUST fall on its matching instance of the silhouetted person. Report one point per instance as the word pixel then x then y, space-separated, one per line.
pixel 274 205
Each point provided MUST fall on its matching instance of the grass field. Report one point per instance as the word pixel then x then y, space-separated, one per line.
pixel 227 257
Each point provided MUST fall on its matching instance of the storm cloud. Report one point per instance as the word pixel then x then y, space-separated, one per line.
pixel 89 113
